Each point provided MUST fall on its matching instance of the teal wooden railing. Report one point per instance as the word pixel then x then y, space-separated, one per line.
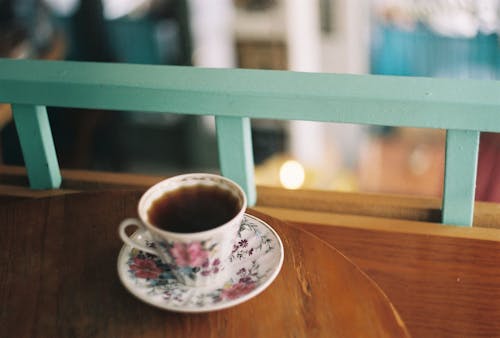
pixel 463 107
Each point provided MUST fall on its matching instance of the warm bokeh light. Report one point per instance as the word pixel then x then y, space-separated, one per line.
pixel 292 175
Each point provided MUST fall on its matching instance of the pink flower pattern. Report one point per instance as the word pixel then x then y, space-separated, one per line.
pixel 237 290
pixel 194 260
pixel 189 255
pixel 158 275
pixel 145 268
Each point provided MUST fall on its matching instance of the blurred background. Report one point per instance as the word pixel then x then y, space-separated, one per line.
pixel 437 38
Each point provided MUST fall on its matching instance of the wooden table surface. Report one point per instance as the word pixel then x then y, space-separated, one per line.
pixel 443 280
pixel 58 279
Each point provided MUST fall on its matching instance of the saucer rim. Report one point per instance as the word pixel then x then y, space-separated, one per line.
pixel 210 308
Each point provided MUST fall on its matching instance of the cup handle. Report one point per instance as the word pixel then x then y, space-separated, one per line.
pixel 134 243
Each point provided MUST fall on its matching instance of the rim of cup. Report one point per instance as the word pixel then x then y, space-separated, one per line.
pixel 142 210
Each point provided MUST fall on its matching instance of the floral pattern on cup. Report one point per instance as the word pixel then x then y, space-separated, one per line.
pixel 242 249
pixel 245 284
pixel 159 279
pixel 149 267
pixel 232 289
pixel 249 267
pixel 190 259
pixel 189 254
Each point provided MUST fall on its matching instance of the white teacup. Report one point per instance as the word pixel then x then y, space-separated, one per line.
pixel 196 258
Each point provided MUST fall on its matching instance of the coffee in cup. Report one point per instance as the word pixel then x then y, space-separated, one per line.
pixel 193 221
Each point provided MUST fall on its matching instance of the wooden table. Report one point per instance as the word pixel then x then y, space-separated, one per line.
pixel 443 280
pixel 58 279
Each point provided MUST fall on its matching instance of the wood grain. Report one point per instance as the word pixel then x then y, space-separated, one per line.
pixel 443 286
pixel 58 268
pixel 403 207
pixel 381 224
pixel 445 281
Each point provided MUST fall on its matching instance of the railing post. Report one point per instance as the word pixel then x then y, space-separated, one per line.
pixel 37 145
pixel 462 148
pixel 234 141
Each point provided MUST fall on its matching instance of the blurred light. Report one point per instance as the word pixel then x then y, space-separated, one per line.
pixel 114 9
pixel 63 7
pixel 292 175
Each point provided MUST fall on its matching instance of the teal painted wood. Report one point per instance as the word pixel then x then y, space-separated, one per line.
pixel 460 177
pixel 234 141
pixel 365 99
pixel 37 145
pixel 463 106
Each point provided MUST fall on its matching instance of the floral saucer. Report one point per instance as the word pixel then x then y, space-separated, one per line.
pixel 255 262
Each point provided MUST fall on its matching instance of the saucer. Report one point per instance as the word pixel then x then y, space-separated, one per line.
pixel 255 262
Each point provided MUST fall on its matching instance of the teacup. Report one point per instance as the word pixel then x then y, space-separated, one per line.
pixel 192 221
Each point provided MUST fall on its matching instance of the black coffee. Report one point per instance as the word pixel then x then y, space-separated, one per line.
pixel 192 209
